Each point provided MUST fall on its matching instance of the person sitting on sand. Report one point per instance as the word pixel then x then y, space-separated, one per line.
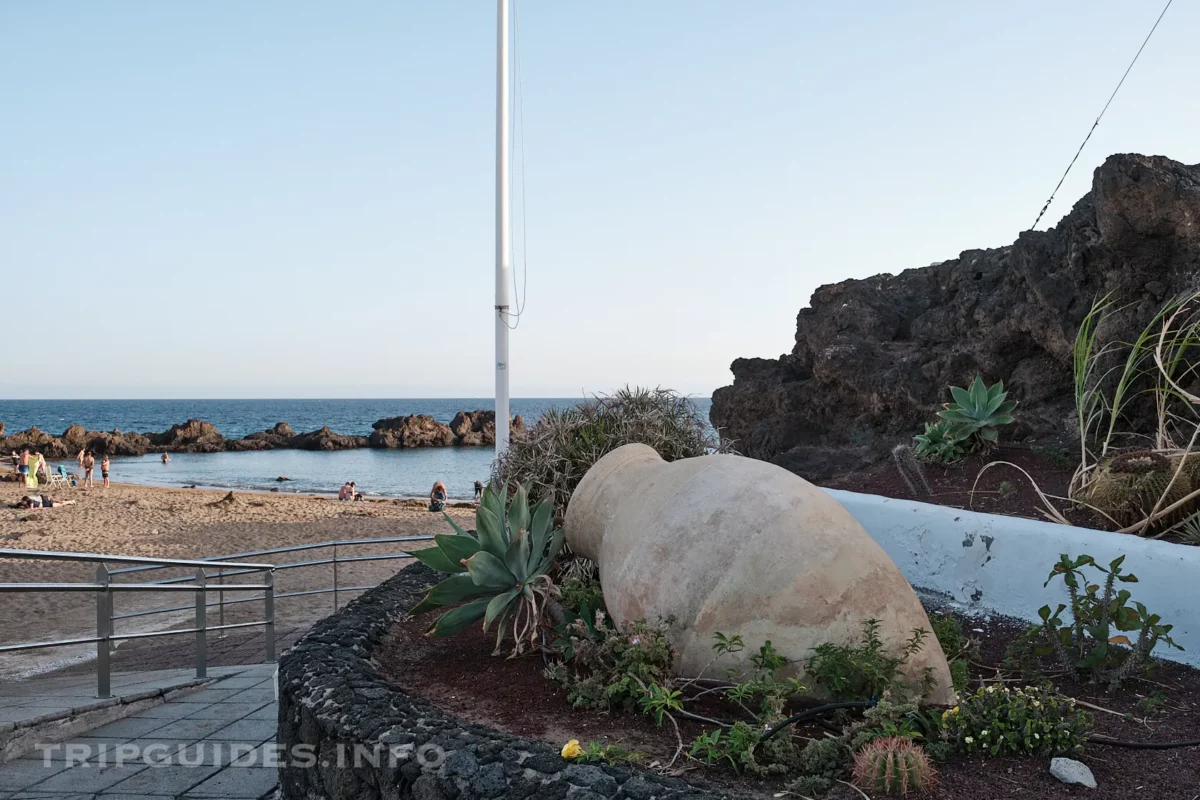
pixel 437 497
pixel 166 459
pixel 41 501
pixel 104 464
pixel 345 492
pixel 355 494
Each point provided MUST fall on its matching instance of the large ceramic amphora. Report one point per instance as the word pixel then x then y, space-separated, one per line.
pixel 731 544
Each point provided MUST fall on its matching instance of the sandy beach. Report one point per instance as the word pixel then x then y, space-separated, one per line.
pixel 186 523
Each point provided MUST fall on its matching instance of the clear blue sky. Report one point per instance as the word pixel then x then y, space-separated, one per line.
pixel 273 199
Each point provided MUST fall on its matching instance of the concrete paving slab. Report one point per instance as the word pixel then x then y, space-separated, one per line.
pixel 164 780
pixel 21 774
pixel 131 727
pixel 88 778
pixel 230 712
pixel 234 783
pixel 194 729
pixel 172 711
pixel 246 730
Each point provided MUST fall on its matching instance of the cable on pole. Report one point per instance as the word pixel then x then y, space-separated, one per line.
pixel 1101 116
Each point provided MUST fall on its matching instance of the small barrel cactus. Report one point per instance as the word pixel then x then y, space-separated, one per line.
pixel 893 766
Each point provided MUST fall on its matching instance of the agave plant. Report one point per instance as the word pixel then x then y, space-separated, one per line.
pixel 500 575
pixel 978 411
pixel 941 442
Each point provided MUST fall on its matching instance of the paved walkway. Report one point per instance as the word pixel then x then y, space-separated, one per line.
pixel 216 742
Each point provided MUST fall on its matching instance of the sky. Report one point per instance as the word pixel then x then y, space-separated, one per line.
pixel 296 199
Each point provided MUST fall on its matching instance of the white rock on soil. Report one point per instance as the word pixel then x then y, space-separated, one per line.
pixel 1068 770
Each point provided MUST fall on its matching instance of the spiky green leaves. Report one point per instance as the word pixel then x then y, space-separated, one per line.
pixel 505 567
pixel 977 412
pixel 941 443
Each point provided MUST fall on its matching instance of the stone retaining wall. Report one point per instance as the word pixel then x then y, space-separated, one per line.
pixel 332 701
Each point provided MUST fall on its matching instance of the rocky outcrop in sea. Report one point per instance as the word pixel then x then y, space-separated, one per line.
pixel 467 429
pixel 873 358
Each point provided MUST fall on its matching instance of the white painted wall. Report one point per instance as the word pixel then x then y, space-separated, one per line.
pixel 993 563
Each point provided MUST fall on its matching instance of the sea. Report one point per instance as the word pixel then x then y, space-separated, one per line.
pixel 382 473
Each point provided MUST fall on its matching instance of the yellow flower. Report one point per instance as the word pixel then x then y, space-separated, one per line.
pixel 572 750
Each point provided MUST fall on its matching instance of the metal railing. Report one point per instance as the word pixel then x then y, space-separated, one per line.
pixel 201 583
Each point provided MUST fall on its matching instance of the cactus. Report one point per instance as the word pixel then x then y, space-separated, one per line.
pixel 910 470
pixel 1129 486
pixel 893 766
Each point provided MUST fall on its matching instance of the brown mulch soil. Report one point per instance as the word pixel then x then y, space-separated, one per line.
pixel 460 676
pixel 1000 490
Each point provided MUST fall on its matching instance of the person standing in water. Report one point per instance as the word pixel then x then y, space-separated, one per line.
pixel 478 491
pixel 104 469
pixel 166 459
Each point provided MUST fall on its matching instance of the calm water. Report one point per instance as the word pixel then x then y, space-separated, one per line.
pixel 394 473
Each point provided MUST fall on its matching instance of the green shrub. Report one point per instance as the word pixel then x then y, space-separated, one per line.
pixel 893 766
pixel 610 669
pixel 1085 644
pixel 596 753
pixel 582 594
pixel 977 412
pixel 821 762
pixel 501 576
pixel 958 647
pixel 734 745
pixel 563 444
pixel 862 671
pixel 941 443
pixel 1030 721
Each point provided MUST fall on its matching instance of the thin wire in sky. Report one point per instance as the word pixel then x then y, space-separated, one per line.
pixel 1097 122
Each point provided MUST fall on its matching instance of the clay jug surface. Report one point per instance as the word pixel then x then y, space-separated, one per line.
pixel 740 546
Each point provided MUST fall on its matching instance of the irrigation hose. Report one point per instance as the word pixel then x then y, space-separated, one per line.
pixel 816 712
pixel 1141 745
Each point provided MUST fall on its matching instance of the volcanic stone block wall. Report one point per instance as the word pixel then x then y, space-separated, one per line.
pixel 347 735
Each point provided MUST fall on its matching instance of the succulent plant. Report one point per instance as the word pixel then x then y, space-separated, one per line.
pixel 978 411
pixel 941 442
pixel 893 766
pixel 500 575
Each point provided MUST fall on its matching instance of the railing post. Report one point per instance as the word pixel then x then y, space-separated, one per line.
pixel 269 600
pixel 335 578
pixel 201 624
pixel 103 633
pixel 221 603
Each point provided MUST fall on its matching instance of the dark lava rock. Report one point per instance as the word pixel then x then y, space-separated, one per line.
pixel 325 439
pixel 415 430
pixel 194 436
pixel 873 358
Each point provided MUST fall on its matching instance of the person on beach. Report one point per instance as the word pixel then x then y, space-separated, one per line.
pixel 166 459
pixel 89 468
pixel 41 501
pixel 41 470
pixel 355 494
pixel 104 469
pixel 478 491
pixel 79 457
pixel 345 493
pixel 23 466
pixel 437 497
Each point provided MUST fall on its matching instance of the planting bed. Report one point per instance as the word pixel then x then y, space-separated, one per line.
pixel 460 676
pixel 1001 490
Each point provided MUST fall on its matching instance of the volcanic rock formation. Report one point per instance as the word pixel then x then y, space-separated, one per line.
pixel 873 358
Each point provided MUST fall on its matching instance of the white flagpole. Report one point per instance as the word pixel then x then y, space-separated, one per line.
pixel 503 200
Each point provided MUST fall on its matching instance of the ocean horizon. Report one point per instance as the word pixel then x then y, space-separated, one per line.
pixel 380 473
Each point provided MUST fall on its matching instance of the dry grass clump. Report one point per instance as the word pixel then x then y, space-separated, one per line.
pixel 555 453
